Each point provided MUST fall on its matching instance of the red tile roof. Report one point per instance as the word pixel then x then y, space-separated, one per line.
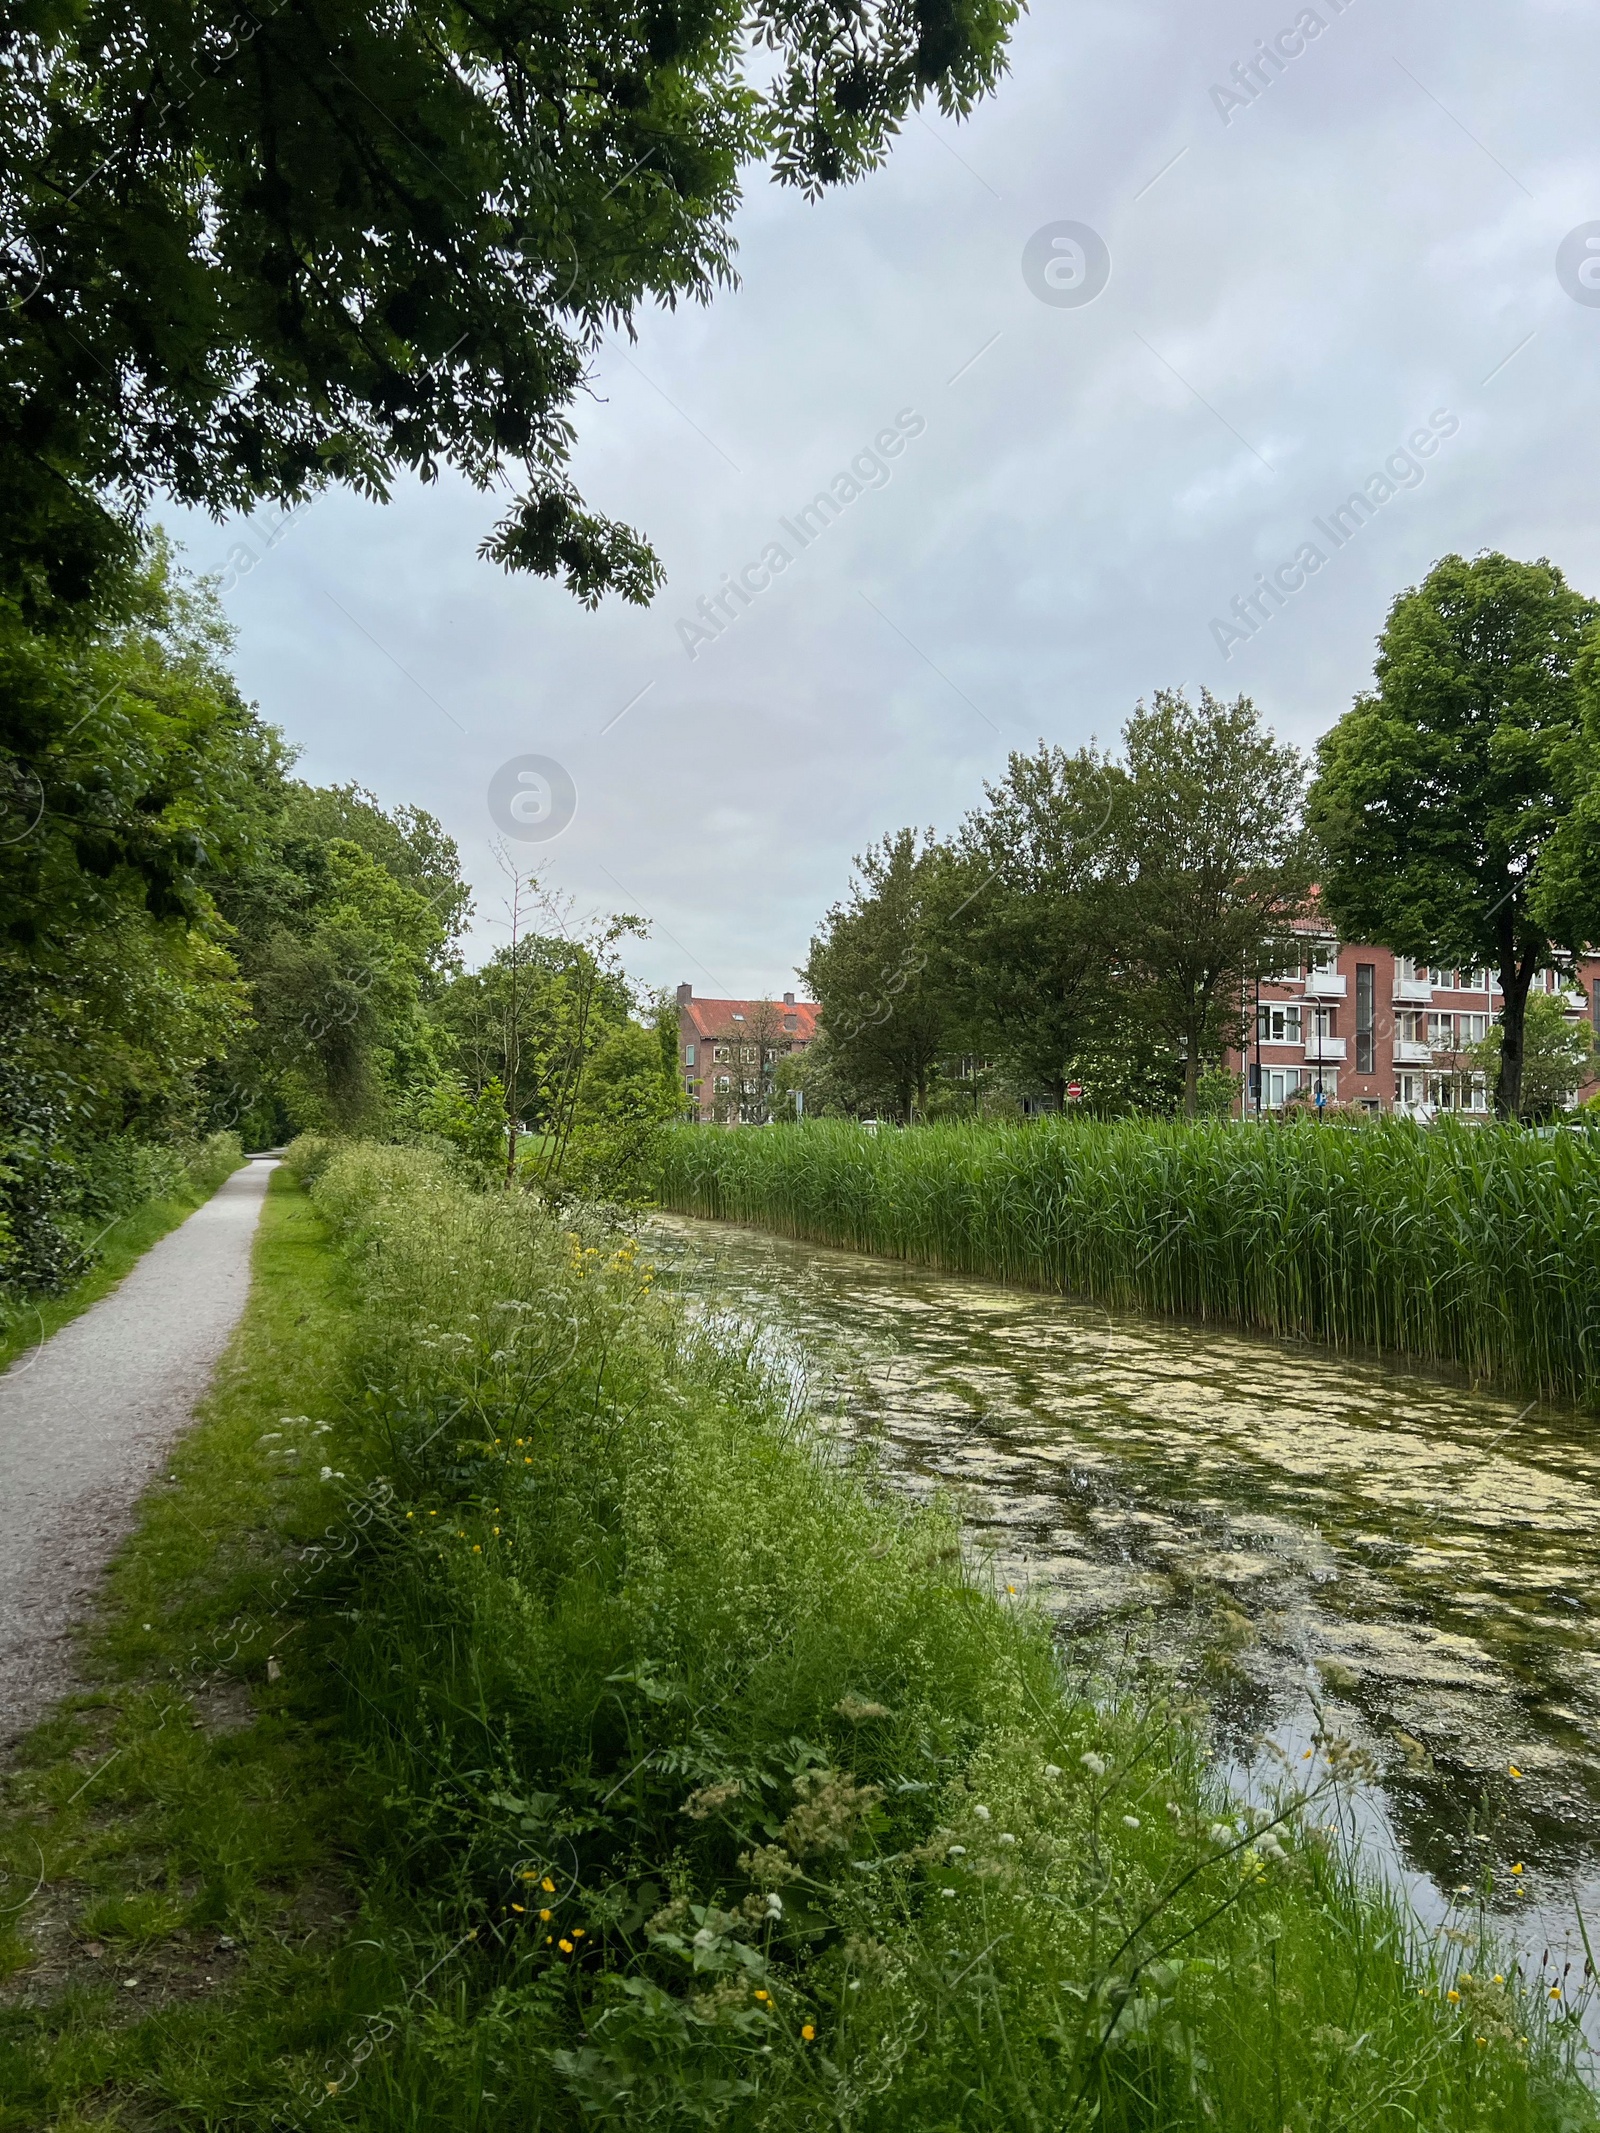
pixel 715 1018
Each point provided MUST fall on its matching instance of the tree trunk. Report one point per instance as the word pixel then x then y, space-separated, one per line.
pixel 1515 983
pixel 1191 1081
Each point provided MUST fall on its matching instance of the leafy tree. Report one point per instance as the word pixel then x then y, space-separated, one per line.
pixel 1565 896
pixel 886 1019
pixel 1024 948
pixel 249 252
pixel 345 925
pixel 624 1104
pixel 1450 803
pixel 1212 867
pixel 1558 1057
pixel 474 1124
pixel 141 784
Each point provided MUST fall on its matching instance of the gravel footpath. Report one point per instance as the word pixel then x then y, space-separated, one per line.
pixel 85 1422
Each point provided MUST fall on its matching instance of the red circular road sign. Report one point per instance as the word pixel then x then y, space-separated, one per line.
pixel 1074 1088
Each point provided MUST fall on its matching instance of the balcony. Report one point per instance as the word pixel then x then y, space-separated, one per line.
pixel 1412 992
pixel 1324 985
pixel 1408 1051
pixel 1326 1050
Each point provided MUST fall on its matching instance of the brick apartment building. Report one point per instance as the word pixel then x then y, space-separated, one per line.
pixel 1379 1031
pixel 726 1049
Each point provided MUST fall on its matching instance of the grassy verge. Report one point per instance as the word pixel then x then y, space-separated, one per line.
pixel 27 1320
pixel 615 1759
pixel 1472 1247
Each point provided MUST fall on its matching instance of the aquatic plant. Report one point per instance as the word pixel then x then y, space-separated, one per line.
pixel 1477 1247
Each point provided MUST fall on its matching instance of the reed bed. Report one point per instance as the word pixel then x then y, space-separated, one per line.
pixel 1472 1247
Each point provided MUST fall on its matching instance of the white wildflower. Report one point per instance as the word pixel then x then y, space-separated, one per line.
pixel 1052 1770
pixel 982 1813
pixel 1131 1822
pixel 1094 1764
pixel 1006 1837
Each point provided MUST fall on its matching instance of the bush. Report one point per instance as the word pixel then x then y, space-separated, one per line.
pixel 709 1788
pixel 57 1201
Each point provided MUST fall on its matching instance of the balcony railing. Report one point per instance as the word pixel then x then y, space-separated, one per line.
pixel 1409 1052
pixel 1412 992
pixel 1327 1050
pixel 1324 985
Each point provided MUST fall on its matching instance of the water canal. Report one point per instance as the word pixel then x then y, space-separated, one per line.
pixel 1282 1527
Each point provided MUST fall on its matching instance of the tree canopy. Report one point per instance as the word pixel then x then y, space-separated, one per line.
pixel 250 251
pixel 1451 803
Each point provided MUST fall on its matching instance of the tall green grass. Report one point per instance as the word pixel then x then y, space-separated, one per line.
pixel 1473 1247
pixel 705 1787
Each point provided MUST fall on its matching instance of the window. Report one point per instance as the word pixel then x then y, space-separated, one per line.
pixel 1366 974
pixel 1442 1032
pixel 738 1018
pixel 791 1021
pixel 1325 956
pixel 1409 1027
pixel 722 1081
pixel 1408 1090
pixel 720 1053
pixel 1279 1022
pixel 1471 1029
pixel 1322 1023
pixel 688 1055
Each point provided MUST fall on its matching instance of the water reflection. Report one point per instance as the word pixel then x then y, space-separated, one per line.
pixel 1282 1525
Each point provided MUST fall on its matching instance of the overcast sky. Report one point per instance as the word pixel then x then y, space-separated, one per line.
pixel 1297 285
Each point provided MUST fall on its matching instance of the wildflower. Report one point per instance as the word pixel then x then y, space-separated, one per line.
pixel 411 1514
pixel 1221 1833
pixel 1555 1992
pixel 1011 1588
pixel 1006 1837
pixel 956 1851
pixel 516 1907
pixel 476 1549
pixel 1131 1822
pixel 1452 1995
pixel 982 1813
pixel 580 1932
pixel 1515 1772
pixel 1518 1868
pixel 763 1995
pixel 807 2031
pixel 544 1917
pixel 774 1904
pixel 947 1892
pixel 548 1886
pixel 1052 1770
pixel 564 1945
pixel 1498 1978
pixel 1094 1764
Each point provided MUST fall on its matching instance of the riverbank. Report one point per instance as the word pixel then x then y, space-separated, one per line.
pixel 656 1769
pixel 1476 1248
